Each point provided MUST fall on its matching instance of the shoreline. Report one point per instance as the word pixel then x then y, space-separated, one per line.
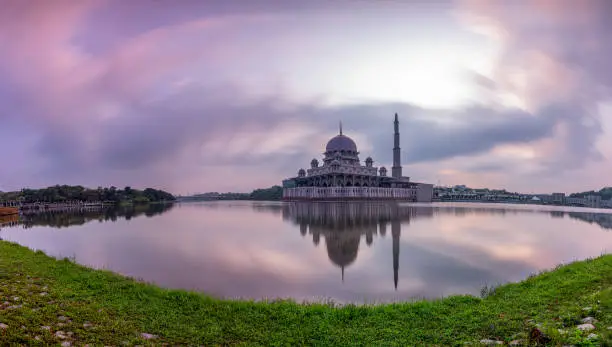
pixel 31 208
pixel 60 301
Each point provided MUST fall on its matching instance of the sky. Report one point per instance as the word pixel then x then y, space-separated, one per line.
pixel 209 95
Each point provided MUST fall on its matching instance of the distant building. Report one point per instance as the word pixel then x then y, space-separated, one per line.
pixel 558 198
pixel 606 203
pixel 593 201
pixel 573 201
pixel 546 198
pixel 342 177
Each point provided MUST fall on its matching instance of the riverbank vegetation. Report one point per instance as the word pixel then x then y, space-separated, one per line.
pixel 46 301
pixel 64 193
pixel 274 193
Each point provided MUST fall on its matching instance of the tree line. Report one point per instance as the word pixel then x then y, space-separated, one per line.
pixel 274 193
pixel 65 193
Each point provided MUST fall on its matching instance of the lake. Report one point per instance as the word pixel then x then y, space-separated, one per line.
pixel 347 252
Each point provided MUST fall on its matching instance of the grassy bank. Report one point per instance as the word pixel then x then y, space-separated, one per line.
pixel 47 301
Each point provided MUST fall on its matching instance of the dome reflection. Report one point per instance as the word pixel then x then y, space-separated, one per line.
pixel 342 225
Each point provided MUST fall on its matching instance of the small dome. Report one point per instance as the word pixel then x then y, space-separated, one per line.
pixel 341 143
pixel 369 159
pixel 302 173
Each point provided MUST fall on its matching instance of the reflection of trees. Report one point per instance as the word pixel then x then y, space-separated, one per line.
pixel 343 224
pixel 604 220
pixel 276 209
pixel 257 206
pixel 557 214
pixel 58 219
pixel 461 211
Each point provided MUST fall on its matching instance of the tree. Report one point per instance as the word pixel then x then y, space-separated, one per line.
pixel 273 193
pixel 57 194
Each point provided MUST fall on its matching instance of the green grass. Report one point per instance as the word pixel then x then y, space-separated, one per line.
pixel 118 309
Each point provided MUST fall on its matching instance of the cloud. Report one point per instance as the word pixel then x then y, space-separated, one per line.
pixel 552 58
pixel 189 128
pixel 161 99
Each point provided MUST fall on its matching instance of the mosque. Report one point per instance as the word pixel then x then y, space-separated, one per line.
pixel 342 177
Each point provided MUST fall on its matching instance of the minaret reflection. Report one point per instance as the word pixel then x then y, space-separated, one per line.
pixel 342 224
pixel 396 230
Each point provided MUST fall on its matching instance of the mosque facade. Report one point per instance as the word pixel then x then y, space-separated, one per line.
pixel 341 176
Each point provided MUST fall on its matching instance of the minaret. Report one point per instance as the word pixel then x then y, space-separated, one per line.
pixel 396 170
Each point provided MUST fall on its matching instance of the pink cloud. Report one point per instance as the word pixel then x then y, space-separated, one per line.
pixel 36 46
pixel 551 58
pixel 153 98
pixel 543 38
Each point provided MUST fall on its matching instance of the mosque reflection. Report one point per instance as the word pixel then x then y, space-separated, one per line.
pixel 343 225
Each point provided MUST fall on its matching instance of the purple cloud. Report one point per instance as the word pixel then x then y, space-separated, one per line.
pixel 177 96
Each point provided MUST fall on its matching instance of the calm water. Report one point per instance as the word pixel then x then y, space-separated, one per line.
pixel 357 252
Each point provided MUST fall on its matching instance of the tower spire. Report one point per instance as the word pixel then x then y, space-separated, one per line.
pixel 396 170
pixel 340 126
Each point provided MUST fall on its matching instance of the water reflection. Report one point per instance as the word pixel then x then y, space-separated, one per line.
pixel 602 219
pixel 64 219
pixel 346 251
pixel 342 225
